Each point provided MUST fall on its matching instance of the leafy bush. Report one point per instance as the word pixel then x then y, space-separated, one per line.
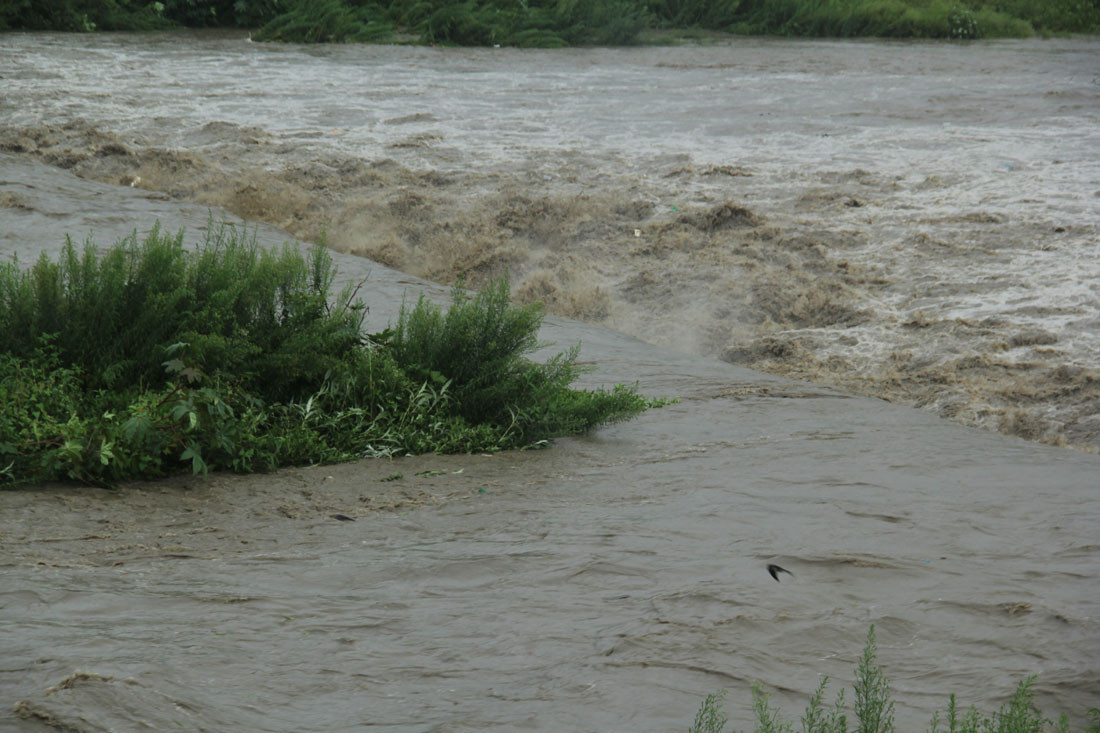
pixel 695 13
pixel 477 350
pixel 261 315
pixel 1057 16
pixel 132 362
pixel 82 15
pixel 326 21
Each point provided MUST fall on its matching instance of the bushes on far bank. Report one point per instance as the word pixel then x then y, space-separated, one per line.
pixel 540 23
pixel 618 22
pixel 134 15
pixel 551 23
pixel 148 358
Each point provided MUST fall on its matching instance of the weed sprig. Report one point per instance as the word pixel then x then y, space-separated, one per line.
pixel 874 709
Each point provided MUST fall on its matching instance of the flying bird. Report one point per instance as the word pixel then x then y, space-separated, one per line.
pixel 775 570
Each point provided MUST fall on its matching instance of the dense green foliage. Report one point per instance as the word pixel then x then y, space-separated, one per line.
pixel 616 22
pixel 898 19
pixel 463 22
pixel 124 364
pixel 241 310
pixel 134 15
pixel 874 709
pixel 550 23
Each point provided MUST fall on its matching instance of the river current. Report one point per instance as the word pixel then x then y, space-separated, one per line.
pixel 914 222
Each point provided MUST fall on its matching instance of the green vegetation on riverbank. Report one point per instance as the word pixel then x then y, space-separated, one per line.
pixel 148 358
pixel 873 709
pixel 550 23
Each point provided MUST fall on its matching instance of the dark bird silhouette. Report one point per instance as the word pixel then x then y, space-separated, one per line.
pixel 775 570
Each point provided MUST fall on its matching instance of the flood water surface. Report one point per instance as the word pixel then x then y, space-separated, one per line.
pixel 914 221
pixel 863 214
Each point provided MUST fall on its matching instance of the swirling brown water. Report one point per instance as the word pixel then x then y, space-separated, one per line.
pixel 610 582
pixel 920 219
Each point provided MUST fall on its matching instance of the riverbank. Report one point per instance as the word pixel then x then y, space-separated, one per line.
pixel 557 23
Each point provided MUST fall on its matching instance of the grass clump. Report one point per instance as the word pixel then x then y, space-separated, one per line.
pixel 874 709
pixel 148 358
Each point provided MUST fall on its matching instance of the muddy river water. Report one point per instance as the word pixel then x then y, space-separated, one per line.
pixel 911 222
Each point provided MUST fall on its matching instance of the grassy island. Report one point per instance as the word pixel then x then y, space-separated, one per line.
pixel 554 23
pixel 149 358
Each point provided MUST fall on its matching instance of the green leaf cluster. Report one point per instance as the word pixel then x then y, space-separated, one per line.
pixel 148 358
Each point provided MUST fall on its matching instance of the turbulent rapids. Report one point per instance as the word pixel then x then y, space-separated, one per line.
pixel 921 234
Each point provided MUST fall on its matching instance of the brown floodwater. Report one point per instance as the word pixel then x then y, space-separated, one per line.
pixel 913 221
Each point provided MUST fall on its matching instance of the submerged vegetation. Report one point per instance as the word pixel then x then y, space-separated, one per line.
pixel 149 358
pixel 873 709
pixel 551 23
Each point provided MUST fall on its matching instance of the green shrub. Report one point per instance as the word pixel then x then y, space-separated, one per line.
pixel 957 19
pixel 82 15
pixel 543 23
pixel 1058 16
pixel 326 21
pixel 259 315
pixel 146 358
pixel 695 13
pixel 460 23
pixel 477 350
